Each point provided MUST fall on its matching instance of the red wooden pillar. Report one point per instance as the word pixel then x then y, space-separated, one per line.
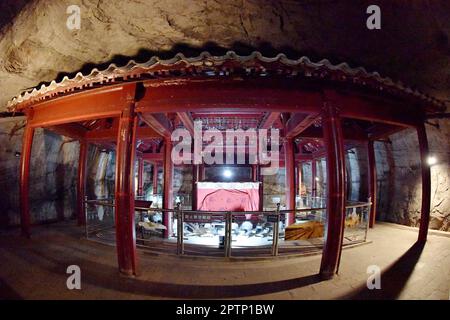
pixel 290 178
pixel 140 190
pixel 426 183
pixel 155 178
pixel 313 177
pixel 333 138
pixel 81 183
pixel 254 173
pixel 25 158
pixel 261 188
pixel 168 186
pixel 372 182
pixel 124 193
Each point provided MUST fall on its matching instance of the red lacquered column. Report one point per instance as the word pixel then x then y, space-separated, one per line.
pixel 124 193
pixel 290 177
pixel 168 186
pixel 333 138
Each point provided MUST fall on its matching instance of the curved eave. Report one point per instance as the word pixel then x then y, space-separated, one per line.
pixel 229 64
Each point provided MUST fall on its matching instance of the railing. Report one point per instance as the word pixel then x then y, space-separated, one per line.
pixel 225 224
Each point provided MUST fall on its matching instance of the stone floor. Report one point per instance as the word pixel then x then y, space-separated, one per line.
pixel 36 269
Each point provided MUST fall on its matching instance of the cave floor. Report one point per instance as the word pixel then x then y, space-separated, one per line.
pixel 36 269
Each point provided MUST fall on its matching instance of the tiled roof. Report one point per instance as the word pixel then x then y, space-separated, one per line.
pixel 206 64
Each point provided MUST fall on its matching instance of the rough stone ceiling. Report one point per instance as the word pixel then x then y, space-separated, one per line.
pixel 36 46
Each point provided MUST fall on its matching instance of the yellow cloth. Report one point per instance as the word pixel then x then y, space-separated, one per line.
pixel 304 230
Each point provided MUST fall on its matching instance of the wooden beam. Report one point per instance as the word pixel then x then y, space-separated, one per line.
pixel 159 123
pixel 151 157
pixel 269 119
pixel 142 133
pixel 98 103
pixel 426 183
pixel 298 123
pixel 187 121
pixel 228 95
pixel 71 130
pixel 350 134
pixel 381 131
pixel 334 141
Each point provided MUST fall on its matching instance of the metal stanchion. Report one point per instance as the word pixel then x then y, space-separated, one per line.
pixel 369 201
pixel 179 227
pixel 86 216
pixel 276 231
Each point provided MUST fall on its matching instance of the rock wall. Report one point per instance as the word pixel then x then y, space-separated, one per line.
pixel 399 177
pixel 53 172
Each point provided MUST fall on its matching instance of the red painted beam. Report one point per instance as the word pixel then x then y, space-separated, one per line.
pixel 71 130
pixel 81 183
pixel 168 186
pixel 303 157
pixel 187 121
pixel 382 131
pixel 159 123
pixel 99 103
pixel 426 183
pixel 142 133
pixel 298 123
pixel 372 182
pixel 290 178
pixel 269 120
pixel 124 192
pixel 374 109
pixel 153 157
pixel 349 134
pixel 228 95
pixel 335 192
pixel 25 158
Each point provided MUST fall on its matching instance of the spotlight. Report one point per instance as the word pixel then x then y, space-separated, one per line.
pixel 431 160
pixel 17 154
pixel 227 173
pixel 317 179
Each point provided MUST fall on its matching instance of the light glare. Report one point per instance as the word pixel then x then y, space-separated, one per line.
pixel 431 160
